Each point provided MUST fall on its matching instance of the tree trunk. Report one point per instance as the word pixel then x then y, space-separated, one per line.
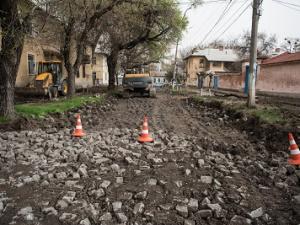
pixel 112 62
pixel 7 89
pixel 13 35
pixel 71 80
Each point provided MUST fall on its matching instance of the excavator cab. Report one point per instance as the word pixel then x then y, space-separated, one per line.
pixel 50 79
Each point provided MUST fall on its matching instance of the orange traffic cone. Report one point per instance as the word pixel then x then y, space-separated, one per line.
pixel 294 151
pixel 144 136
pixel 78 132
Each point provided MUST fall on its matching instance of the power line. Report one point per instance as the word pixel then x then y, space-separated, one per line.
pixel 288 3
pixel 229 19
pixel 227 8
pixel 227 28
pixel 284 4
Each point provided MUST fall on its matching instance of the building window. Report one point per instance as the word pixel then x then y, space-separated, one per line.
pixel 217 64
pixel 78 74
pixel 31 64
pixel 201 63
pixel 94 60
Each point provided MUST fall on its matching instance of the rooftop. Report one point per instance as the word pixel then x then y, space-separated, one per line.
pixel 284 57
pixel 212 54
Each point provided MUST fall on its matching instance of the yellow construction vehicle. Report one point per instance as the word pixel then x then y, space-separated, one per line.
pixel 49 81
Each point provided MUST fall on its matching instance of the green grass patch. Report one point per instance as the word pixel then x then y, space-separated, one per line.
pixel 42 109
pixel 264 113
pixel 270 115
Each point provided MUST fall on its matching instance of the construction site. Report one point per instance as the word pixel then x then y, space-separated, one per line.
pixel 174 159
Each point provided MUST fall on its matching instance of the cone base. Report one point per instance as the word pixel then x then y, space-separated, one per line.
pixel 78 134
pixel 142 139
pixel 294 162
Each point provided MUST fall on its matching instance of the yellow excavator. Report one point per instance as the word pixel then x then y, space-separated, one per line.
pixel 49 81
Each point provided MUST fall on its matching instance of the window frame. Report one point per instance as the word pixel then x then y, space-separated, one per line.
pixel 34 62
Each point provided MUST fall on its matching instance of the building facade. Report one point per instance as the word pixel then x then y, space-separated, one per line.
pixel 43 43
pixel 208 61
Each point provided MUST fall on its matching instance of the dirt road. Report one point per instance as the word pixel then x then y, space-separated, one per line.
pixel 201 169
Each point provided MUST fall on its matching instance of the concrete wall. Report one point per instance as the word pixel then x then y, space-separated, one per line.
pixel 232 81
pixel 283 78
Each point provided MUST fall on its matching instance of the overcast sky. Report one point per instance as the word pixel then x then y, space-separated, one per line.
pixel 276 19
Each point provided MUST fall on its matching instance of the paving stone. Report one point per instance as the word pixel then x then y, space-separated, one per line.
pixel 201 163
pixel 138 208
pixel 152 182
pixel 50 211
pixel 105 184
pixel 189 222
pixel 193 204
pixel 61 204
pixel 86 221
pixel 205 201
pixel 67 216
pixel 119 180
pixel 141 195
pixel 117 206
pixel 217 209
pixel 256 213
pixel 166 206
pixel 206 179
pixel 205 213
pixel 182 210
pixel 106 217
pixel 239 220
pixel 121 217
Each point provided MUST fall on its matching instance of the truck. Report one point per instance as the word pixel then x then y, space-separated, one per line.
pixel 138 83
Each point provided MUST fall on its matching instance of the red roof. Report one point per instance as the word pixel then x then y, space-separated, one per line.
pixel 282 58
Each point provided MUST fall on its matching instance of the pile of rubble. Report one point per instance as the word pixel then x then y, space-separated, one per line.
pixel 109 178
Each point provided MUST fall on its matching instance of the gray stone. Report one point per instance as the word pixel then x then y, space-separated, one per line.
pixel 152 182
pixel 69 197
pixel 119 180
pixel 206 179
pixel 239 220
pixel 138 208
pixel 1 206
pixel 182 210
pixel 115 167
pixel 50 211
pixel 61 175
pixel 141 195
pixel 67 216
pixel 61 204
pixel 296 198
pixel 196 155
pixel 205 201
pixel 106 217
pixel 82 170
pixel 217 209
pixel 86 221
pixel 188 172
pixel 205 213
pixel 25 211
pixel 105 184
pixel 201 163
pixel 166 206
pixel 189 222
pixel 256 213
pixel 178 183
pixel 121 217
pixel 193 204
pixel 117 206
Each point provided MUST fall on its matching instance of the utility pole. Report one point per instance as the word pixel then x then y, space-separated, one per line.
pixel 253 51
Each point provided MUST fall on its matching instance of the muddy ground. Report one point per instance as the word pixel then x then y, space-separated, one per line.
pixel 206 166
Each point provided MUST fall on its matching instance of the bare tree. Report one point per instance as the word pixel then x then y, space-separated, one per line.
pixel 131 25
